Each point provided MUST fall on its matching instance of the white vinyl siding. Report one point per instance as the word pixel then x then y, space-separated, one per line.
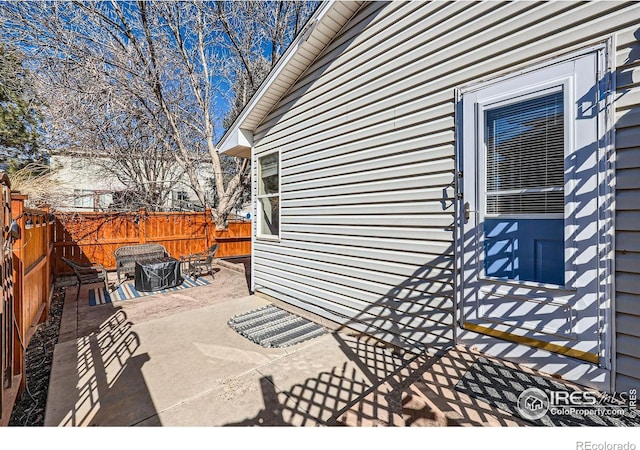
pixel 627 280
pixel 367 150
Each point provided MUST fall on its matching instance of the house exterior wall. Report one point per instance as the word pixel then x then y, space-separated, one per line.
pixel 81 176
pixel 367 146
pixel 81 183
pixel 627 261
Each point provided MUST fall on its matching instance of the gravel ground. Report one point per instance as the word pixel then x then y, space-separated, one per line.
pixel 30 409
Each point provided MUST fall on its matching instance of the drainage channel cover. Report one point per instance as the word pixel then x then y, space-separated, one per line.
pixel 271 326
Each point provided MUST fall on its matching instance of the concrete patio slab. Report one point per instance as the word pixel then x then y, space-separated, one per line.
pixel 228 281
pixel 172 360
pixel 191 368
pixel 147 367
pixel 248 400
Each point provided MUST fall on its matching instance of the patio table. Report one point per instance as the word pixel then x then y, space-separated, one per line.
pixel 157 274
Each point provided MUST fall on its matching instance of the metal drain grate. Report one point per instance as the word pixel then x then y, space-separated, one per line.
pixel 271 326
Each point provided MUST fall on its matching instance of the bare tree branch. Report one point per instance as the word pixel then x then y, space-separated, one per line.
pixel 142 82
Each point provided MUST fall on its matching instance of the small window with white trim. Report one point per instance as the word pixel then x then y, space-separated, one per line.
pixel 269 195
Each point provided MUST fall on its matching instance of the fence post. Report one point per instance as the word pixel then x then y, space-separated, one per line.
pixel 142 226
pixel 208 227
pixel 17 208
pixel 48 280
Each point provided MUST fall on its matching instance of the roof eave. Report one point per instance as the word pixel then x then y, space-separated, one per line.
pixel 229 144
pixel 238 143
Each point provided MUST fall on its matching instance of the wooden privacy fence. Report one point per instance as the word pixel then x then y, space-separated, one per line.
pixel 92 237
pixel 29 263
pixel 27 290
pixel 32 264
pixel 8 333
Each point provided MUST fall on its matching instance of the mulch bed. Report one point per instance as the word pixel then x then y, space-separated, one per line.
pixel 30 408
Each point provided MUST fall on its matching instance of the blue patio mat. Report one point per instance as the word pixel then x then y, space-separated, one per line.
pixel 127 291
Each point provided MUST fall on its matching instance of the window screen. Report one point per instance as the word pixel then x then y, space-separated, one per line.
pixel 525 156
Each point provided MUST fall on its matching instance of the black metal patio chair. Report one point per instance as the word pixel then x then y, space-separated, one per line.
pixel 88 274
pixel 199 264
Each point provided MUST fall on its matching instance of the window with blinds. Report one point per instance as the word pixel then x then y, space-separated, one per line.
pixel 525 156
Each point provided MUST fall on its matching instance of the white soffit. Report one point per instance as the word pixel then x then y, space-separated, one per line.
pixel 323 26
pixel 237 143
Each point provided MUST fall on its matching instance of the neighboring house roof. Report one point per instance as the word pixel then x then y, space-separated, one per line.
pixel 90 154
pixel 322 27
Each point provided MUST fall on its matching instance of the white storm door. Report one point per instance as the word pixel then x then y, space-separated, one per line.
pixel 530 209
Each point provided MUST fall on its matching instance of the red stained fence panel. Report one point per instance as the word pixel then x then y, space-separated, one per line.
pixel 89 237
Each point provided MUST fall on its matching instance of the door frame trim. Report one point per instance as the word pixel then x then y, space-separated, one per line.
pixel 601 377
